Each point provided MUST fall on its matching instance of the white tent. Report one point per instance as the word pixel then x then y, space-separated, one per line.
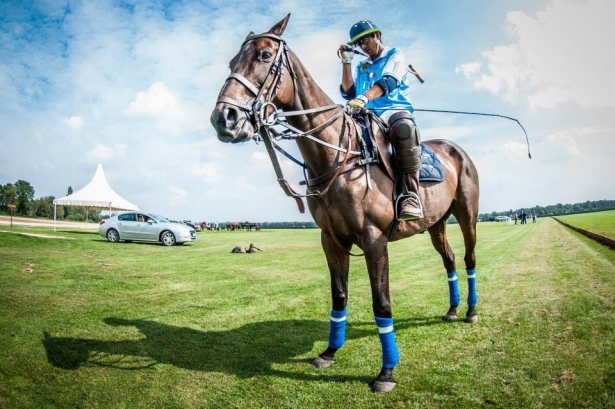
pixel 97 194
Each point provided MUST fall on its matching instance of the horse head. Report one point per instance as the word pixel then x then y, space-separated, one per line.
pixel 255 83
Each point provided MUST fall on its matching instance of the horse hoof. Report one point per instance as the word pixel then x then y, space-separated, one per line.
pixel 383 386
pixel 322 363
pixel 449 318
pixel 471 319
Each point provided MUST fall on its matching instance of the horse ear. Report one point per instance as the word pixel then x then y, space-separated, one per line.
pixel 250 35
pixel 279 28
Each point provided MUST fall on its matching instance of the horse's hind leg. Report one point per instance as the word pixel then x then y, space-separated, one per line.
pixel 466 217
pixel 440 243
pixel 338 261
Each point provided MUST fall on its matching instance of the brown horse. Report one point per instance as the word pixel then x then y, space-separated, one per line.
pixel 350 204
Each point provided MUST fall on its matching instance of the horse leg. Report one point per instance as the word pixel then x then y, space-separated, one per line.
pixel 338 261
pixel 440 243
pixel 467 222
pixel 377 260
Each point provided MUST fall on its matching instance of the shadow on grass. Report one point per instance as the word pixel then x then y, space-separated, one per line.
pixel 247 351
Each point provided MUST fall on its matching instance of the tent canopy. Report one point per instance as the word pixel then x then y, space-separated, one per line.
pixel 97 193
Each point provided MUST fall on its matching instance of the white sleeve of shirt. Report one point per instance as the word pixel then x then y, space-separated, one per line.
pixel 395 66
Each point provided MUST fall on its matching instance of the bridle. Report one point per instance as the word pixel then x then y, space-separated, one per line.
pixel 258 111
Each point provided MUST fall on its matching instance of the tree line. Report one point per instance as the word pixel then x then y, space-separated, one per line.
pixel 21 195
pixel 554 210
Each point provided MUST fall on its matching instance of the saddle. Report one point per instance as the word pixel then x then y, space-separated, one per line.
pixel 376 149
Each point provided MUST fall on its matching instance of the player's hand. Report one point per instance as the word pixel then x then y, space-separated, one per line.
pixel 346 53
pixel 357 105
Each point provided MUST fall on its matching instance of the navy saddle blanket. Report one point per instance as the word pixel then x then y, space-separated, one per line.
pixel 431 167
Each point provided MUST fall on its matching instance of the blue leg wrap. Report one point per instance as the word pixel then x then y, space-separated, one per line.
pixel 390 355
pixel 472 295
pixel 337 328
pixel 453 288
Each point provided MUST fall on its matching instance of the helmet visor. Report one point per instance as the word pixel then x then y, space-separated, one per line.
pixel 363 34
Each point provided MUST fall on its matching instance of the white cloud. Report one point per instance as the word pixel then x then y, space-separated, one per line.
pixel 101 153
pixel 469 69
pixel 260 160
pixel 564 53
pixel 208 171
pixel 158 102
pixel 74 122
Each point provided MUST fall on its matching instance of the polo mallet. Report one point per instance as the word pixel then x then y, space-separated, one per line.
pixel 416 73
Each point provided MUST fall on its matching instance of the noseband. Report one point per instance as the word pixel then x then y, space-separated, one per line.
pixel 257 108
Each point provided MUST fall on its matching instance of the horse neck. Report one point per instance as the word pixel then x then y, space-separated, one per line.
pixel 308 95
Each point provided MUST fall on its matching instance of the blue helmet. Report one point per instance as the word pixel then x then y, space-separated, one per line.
pixel 362 29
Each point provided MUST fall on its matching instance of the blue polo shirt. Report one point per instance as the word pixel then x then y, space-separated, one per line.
pixel 391 62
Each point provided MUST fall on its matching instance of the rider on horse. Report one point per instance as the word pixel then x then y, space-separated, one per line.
pixel 381 84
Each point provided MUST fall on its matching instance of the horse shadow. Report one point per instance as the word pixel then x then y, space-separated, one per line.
pixel 250 350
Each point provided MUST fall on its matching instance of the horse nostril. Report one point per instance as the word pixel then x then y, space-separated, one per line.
pixel 230 115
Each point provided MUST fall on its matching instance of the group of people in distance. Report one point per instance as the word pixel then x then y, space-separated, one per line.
pixel 522 215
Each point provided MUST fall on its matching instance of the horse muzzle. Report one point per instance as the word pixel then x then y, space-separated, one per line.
pixel 231 123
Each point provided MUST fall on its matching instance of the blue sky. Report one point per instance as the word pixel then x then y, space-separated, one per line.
pixel 131 85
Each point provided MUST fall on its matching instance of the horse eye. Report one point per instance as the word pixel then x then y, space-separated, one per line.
pixel 266 55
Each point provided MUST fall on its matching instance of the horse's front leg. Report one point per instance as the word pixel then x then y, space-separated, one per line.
pixel 377 259
pixel 338 262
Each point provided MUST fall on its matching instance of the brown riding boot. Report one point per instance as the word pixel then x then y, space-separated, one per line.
pixel 411 208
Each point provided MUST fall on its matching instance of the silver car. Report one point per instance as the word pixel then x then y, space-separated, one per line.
pixel 136 226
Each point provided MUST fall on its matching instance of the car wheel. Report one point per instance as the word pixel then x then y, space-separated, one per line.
pixel 113 236
pixel 167 238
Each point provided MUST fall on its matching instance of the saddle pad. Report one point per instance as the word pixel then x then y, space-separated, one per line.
pixel 431 167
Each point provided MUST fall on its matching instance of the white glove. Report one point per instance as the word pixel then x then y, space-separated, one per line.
pixel 357 105
pixel 346 53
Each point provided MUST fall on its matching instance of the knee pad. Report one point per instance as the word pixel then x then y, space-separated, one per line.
pixel 403 127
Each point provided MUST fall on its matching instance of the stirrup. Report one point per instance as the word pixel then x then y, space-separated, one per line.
pixel 402 198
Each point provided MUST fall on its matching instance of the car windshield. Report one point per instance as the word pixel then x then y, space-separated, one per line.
pixel 158 218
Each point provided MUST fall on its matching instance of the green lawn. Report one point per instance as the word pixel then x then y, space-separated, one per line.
pixel 86 323
pixel 602 223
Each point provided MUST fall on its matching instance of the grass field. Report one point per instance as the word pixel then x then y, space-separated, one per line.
pixel 86 323
pixel 602 223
